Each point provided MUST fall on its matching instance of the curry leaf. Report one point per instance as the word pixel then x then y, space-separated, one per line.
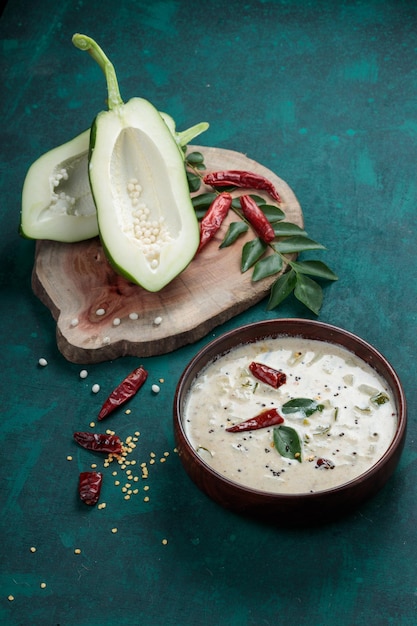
pixel 314 268
pixel 298 243
pixel 235 229
pixel 203 200
pixel 286 229
pixel 272 213
pixel 251 252
pixel 194 181
pixel 306 406
pixel 195 158
pixel 309 293
pixel 268 266
pixel 287 442
pixel 282 288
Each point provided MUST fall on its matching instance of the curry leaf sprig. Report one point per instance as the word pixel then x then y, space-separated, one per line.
pixel 268 259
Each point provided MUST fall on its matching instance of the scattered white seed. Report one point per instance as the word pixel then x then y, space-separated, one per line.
pixel 156 388
pixel 95 388
pixel 157 321
pixel 106 340
pixel 74 322
pixel 101 312
pixel 43 362
pixel 116 321
pixel 133 316
pixel 83 374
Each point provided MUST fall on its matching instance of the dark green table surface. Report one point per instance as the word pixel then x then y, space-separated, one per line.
pixel 324 94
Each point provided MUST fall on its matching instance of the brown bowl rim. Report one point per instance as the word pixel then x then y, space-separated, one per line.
pixel 386 370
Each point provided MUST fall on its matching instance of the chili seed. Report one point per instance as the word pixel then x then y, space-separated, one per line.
pixel 83 374
pixel 116 321
pixel 133 316
pixel 95 388
pixel 43 362
pixel 157 321
pixel 100 312
pixel 156 388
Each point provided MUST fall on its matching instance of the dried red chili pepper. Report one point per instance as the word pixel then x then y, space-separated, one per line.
pixel 123 392
pixel 99 442
pixel 89 487
pixel 214 218
pixel 267 374
pixel 257 218
pixel 239 178
pixel 269 417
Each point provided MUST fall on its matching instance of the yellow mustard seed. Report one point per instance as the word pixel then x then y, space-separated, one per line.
pixel 117 483
pixel 162 460
pixel 137 433
pixel 135 491
pixel 146 488
pixel 93 465
pixel 92 424
pixel 114 530
pixel 10 598
pixel 152 455
pixel 161 380
pixel 33 549
pixel 166 453
pixel 69 458
pixel 114 473
pixel 164 542
pixel 152 461
pixel 136 478
pixel 43 585
pixel 77 551
pixel 127 497
pixel 128 411
pixel 146 499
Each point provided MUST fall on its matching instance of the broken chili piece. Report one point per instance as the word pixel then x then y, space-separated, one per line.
pixel 99 442
pixel 268 375
pixel 269 417
pixel 239 178
pixel 123 392
pixel 214 218
pixel 89 487
pixel 257 219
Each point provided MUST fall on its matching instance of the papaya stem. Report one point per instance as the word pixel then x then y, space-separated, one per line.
pixel 82 42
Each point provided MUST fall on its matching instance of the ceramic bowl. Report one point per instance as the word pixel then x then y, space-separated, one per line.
pixel 298 508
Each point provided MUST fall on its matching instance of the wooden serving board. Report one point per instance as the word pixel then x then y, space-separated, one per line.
pixel 75 281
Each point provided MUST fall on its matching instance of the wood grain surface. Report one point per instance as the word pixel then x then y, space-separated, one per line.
pixel 75 281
